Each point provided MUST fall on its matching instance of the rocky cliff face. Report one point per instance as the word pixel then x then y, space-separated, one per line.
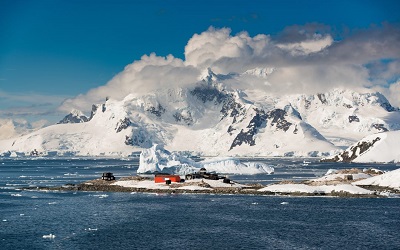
pixel 75 116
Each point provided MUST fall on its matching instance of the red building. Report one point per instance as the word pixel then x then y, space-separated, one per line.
pixel 164 178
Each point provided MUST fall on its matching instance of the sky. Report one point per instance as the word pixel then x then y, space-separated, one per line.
pixel 56 55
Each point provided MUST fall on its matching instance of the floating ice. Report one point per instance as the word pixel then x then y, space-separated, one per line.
pixel 49 236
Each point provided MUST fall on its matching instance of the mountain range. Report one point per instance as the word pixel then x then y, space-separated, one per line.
pixel 208 118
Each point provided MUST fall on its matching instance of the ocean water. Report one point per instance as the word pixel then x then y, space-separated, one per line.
pixel 99 220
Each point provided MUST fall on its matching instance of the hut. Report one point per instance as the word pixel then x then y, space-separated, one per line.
pixel 164 178
pixel 108 176
pixel 203 174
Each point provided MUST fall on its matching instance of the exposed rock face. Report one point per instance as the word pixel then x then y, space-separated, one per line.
pixel 74 117
pixel 208 93
pixel 157 111
pixel 123 124
pixel 185 117
pixel 380 127
pixel 276 118
pixel 353 152
pixel 322 98
pixel 353 118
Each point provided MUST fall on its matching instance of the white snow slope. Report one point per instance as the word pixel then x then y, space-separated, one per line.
pixel 324 189
pixel 381 147
pixel 388 179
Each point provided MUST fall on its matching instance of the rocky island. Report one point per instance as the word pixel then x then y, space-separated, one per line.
pixel 343 183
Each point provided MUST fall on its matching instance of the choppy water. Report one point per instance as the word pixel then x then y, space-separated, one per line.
pixel 86 220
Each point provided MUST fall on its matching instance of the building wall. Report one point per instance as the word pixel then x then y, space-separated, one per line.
pixel 163 178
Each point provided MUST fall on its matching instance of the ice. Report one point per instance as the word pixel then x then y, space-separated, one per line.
pixel 158 159
pixel 49 236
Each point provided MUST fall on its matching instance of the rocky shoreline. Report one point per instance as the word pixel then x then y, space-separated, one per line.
pixel 99 185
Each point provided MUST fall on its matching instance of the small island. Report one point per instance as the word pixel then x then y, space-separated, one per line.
pixel 161 171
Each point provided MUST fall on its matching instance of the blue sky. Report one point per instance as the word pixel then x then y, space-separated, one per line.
pixel 52 50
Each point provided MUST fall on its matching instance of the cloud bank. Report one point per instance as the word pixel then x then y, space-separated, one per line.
pixel 306 59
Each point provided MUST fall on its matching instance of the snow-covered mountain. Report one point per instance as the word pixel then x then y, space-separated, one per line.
pixel 381 147
pixel 75 116
pixel 210 119
pixel 355 115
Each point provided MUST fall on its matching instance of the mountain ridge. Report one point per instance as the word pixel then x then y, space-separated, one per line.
pixel 210 118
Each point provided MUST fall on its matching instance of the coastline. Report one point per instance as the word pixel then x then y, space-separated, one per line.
pixel 99 185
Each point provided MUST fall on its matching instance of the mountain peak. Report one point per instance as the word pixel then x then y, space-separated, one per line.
pixel 75 116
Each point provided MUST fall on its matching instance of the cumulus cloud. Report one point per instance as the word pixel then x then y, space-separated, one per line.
pixel 143 76
pixel 306 58
pixel 394 93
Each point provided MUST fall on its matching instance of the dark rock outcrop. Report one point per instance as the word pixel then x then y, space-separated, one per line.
pixel 73 118
pixel 123 124
pixel 353 118
pixel 276 117
pixel 353 152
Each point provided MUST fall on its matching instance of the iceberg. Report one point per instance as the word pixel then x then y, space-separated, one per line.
pixel 158 159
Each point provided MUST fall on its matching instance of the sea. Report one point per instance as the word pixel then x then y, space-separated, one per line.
pixel 100 220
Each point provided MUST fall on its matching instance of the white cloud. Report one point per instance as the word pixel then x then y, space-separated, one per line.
pixel 316 44
pixel 22 108
pixel 10 128
pixel 306 58
pixel 394 94
pixel 214 46
pixel 143 76
pixel 7 129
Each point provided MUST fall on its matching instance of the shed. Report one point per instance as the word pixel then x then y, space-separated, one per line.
pixel 108 176
pixel 164 178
